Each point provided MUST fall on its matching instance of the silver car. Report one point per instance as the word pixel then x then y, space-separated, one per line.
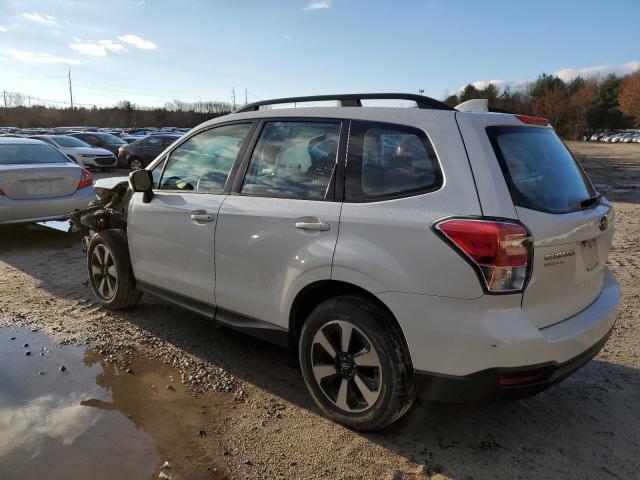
pixel 38 182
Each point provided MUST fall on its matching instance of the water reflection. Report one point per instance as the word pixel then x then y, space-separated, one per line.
pixel 93 418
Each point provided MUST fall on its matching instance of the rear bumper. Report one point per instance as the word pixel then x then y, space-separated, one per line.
pixel 35 210
pixel 477 341
pixel 498 383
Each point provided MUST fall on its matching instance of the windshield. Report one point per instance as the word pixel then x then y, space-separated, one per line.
pixel 65 141
pixel 539 169
pixel 13 154
pixel 111 139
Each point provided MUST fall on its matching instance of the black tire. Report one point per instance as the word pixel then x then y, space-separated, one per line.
pixel 391 380
pixel 114 286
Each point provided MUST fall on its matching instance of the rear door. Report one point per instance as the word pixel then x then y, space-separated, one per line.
pixel 171 238
pixel 277 231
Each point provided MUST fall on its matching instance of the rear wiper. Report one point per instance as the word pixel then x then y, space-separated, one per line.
pixel 591 200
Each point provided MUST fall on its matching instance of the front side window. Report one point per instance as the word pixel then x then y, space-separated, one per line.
pixel 202 163
pixel 387 161
pixel 293 160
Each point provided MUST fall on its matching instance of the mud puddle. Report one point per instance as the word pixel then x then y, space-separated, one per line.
pixel 68 413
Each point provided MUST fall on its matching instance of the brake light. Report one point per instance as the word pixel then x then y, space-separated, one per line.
pixel 86 180
pixel 500 251
pixel 1 192
pixel 532 120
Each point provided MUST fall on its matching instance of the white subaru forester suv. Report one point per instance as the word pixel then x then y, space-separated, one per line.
pixel 453 254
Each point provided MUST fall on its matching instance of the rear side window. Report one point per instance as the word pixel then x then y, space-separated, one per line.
pixel 293 160
pixel 387 161
pixel 539 169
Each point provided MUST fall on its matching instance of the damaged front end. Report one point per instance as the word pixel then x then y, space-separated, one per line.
pixel 109 211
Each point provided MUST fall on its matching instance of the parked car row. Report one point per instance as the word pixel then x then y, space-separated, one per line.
pixel 103 150
pixel 613 137
pixel 38 182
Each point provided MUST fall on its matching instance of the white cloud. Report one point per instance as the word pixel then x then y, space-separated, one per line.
pixel 39 58
pixel 600 71
pixel 39 18
pixel 318 5
pixel 3 29
pixel 42 420
pixel 565 74
pixel 287 36
pixel 97 49
pixel 137 42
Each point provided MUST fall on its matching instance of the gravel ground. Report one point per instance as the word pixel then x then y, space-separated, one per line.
pixel 586 427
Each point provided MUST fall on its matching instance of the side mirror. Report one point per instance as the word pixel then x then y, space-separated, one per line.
pixel 142 181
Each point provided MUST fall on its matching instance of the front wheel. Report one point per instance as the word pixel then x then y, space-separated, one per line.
pixel 110 273
pixel 135 164
pixel 355 363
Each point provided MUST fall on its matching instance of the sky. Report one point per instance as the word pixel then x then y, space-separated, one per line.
pixel 154 51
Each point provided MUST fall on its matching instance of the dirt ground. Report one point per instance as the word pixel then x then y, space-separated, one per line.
pixel 587 427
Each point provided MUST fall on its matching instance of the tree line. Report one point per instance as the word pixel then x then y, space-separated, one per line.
pixel 574 107
pixel 124 114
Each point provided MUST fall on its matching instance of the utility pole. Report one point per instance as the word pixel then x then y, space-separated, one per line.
pixel 245 96
pixel 6 110
pixel 233 95
pixel 71 96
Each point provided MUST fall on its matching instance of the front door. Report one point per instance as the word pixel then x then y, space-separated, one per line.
pixel 171 238
pixel 277 233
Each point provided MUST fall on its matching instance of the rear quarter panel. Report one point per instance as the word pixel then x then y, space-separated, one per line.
pixel 388 246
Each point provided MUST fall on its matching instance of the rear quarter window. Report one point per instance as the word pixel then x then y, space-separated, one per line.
pixel 388 161
pixel 539 170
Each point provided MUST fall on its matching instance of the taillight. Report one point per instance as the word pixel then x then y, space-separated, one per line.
pixel 86 180
pixel 532 120
pixel 500 251
pixel 1 192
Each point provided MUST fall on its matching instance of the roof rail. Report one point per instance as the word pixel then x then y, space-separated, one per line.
pixel 352 100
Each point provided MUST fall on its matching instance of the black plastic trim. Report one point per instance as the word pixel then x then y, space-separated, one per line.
pixel 352 100
pixel 237 321
pixel 207 310
pixel 484 385
pixel 254 327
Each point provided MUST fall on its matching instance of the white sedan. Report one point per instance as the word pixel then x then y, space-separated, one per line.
pixel 81 152
pixel 38 182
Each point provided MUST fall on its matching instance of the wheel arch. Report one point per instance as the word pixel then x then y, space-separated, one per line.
pixel 315 293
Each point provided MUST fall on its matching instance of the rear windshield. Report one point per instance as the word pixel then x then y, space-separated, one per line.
pixel 539 169
pixel 12 154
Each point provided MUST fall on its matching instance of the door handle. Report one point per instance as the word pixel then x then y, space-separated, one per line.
pixel 318 226
pixel 201 216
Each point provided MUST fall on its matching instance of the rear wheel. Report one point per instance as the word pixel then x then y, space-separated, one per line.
pixel 110 273
pixel 355 364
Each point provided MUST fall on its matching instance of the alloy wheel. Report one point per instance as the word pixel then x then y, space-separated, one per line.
pixel 136 164
pixel 346 366
pixel 103 271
